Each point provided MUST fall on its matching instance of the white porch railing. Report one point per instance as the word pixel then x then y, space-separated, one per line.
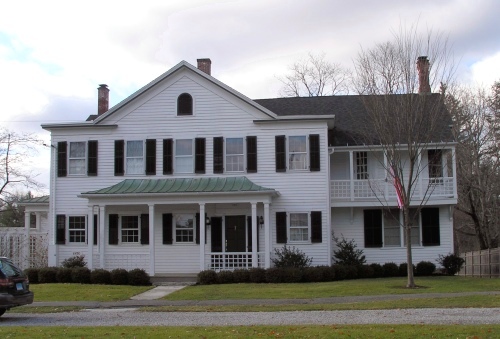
pixel 230 261
pixel 373 189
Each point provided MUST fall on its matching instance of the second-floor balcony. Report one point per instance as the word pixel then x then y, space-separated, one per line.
pixel 361 178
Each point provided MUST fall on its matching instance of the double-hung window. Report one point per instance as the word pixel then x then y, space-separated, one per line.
pixel 135 157
pixel 392 228
pixel 77 158
pixel 184 156
pixel 361 165
pixel 130 229
pixel 234 155
pixel 299 227
pixel 77 229
pixel 184 228
pixel 297 152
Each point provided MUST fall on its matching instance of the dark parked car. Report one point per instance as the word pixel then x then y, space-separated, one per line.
pixel 14 286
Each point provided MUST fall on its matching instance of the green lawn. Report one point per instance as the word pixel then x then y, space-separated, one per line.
pixel 79 292
pixel 307 331
pixel 441 284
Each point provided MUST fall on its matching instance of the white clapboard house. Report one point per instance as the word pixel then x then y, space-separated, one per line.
pixel 188 174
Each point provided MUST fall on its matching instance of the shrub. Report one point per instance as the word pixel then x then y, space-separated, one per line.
pixel 452 263
pixel 75 261
pixel 347 253
pixel 425 268
pixel 340 272
pixel 47 275
pixel 278 275
pixel 63 275
pixel 207 277
pixel 241 276
pixel 138 277
pixel 32 274
pixel 351 272
pixel 290 257
pixel 257 275
pixel 119 276
pixel 317 274
pixel 80 275
pixel 378 270
pixel 365 271
pixel 100 276
pixel 391 270
pixel 225 277
pixel 403 269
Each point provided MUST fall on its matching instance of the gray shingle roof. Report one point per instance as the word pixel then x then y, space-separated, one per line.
pixel 349 110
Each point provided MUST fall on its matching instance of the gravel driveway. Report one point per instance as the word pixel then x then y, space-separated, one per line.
pixel 131 317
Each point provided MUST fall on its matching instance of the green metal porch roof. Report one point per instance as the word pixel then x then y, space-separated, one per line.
pixel 38 200
pixel 182 185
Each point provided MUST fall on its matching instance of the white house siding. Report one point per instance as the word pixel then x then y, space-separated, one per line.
pixel 216 113
pixel 352 227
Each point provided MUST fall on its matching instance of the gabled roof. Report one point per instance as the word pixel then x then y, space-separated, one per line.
pixel 181 186
pixel 348 110
pixel 38 200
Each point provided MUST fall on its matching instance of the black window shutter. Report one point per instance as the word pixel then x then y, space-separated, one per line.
pixel 251 154
pixel 199 163
pixel 216 233
pixel 150 156
pixel 113 229
pixel 218 155
pixel 316 227
pixel 145 229
pixel 280 153
pixel 373 228
pixel 281 227
pixel 314 156
pixel 92 158
pixel 249 233
pixel 95 228
pixel 60 229
pixel 167 156
pixel 198 228
pixel 119 157
pixel 62 158
pixel 167 229
pixel 430 227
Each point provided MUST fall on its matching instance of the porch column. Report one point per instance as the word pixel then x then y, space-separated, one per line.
pixel 454 174
pixel 202 236
pixel 27 220
pixel 351 174
pixel 151 239
pixel 420 171
pixel 102 240
pixel 267 234
pixel 90 237
pixel 255 259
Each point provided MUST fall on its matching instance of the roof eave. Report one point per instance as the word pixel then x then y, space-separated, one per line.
pixel 182 194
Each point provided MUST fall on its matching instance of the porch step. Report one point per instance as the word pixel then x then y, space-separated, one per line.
pixel 173 280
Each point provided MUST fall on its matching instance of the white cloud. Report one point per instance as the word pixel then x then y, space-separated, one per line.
pixel 486 71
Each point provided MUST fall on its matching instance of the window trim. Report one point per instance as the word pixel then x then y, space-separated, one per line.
pixel 174 228
pixel 242 155
pixel 306 153
pixel 70 231
pixel 177 106
pixel 126 157
pixel 193 155
pixel 120 229
pixel 308 227
pixel 84 159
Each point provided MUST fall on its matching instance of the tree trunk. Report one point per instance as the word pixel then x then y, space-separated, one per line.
pixel 409 261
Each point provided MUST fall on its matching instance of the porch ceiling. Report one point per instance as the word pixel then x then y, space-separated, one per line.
pixel 181 186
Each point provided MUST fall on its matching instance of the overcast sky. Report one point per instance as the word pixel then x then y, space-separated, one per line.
pixel 54 54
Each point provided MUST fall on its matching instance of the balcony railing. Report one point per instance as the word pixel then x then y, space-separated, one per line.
pixel 380 189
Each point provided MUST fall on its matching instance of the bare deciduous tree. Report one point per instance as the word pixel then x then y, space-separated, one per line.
pixel 404 120
pixel 315 77
pixel 475 113
pixel 15 148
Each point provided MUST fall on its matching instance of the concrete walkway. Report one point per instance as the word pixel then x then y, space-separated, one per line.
pixel 152 298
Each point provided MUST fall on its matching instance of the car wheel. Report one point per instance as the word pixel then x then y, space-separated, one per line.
pixel 2 311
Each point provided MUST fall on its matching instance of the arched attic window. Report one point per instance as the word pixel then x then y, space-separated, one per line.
pixel 185 104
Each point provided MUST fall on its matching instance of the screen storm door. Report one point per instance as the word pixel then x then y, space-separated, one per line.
pixel 235 231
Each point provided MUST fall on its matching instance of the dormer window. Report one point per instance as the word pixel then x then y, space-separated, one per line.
pixel 185 104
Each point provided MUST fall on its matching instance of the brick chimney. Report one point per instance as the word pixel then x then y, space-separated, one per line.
pixel 102 99
pixel 423 75
pixel 205 65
